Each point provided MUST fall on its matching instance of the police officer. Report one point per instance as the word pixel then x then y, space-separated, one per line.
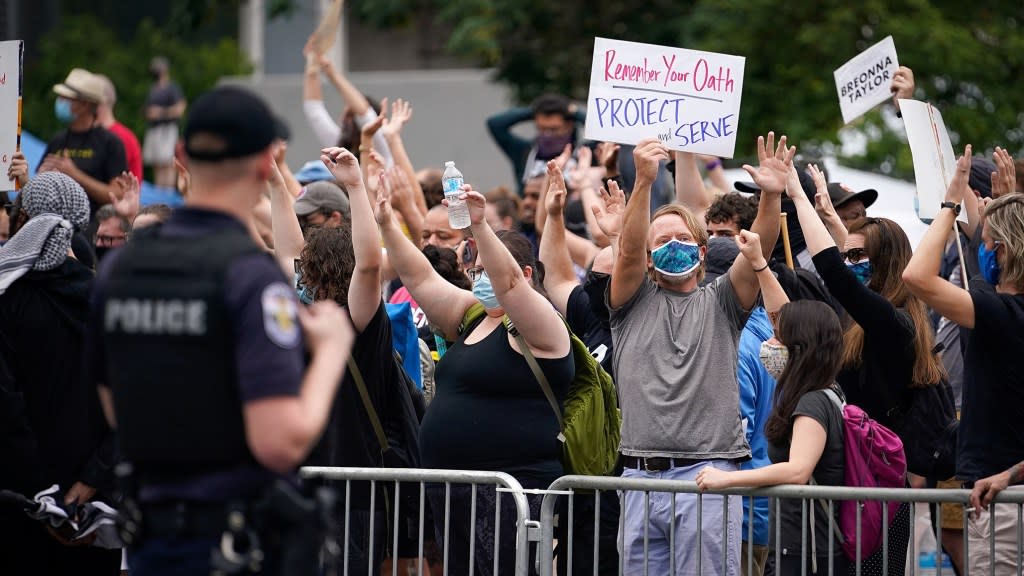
pixel 198 350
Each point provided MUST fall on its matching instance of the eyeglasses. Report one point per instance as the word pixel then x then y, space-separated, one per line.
pixel 109 241
pixel 854 255
pixel 475 273
pixel 468 252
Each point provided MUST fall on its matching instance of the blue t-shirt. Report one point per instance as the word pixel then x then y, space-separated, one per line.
pixel 757 389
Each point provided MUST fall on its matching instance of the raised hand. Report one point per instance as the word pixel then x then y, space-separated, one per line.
pixel 647 154
pixel 401 112
pixel 383 212
pixel 1004 179
pixel 373 164
pixel 580 175
pixel 563 159
pixel 124 195
pixel 749 244
pixel 18 170
pixel 476 203
pixel 401 188
pixel 608 156
pixel 902 85
pixel 556 191
pixel 370 129
pixel 774 163
pixel 822 201
pixel 344 166
pixel 609 219
pixel 958 185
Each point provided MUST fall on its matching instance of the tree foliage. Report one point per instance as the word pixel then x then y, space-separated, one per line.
pixel 83 41
pixel 967 59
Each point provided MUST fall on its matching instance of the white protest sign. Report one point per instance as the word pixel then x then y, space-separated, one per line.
pixel 10 106
pixel 934 159
pixel 687 98
pixel 865 81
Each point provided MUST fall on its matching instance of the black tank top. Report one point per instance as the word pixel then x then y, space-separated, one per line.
pixel 489 412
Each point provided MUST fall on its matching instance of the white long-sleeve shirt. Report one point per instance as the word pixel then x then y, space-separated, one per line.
pixel 328 132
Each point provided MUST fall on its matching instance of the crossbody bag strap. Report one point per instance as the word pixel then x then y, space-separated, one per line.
pixel 537 373
pixel 364 394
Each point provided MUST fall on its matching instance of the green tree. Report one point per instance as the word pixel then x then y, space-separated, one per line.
pixel 83 41
pixel 967 60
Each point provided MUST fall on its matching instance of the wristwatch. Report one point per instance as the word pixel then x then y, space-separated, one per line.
pixel 952 206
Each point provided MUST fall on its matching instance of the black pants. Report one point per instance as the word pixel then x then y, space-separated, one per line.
pixel 583 540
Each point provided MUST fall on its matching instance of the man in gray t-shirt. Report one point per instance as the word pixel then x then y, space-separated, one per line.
pixel 675 364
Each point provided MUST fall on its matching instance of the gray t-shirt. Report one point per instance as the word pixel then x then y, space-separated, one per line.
pixel 675 367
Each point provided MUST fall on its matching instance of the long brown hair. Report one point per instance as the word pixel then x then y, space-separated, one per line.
pixel 889 251
pixel 327 263
pixel 810 330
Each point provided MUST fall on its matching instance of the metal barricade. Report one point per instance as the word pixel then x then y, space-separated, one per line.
pixel 826 499
pixel 502 483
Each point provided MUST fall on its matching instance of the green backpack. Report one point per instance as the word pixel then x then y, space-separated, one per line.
pixel 590 422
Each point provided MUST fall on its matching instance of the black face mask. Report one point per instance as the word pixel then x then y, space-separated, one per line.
pixel 595 286
pixel 551 145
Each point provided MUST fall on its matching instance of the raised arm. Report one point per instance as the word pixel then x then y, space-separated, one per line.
pixel 401 112
pixel 403 199
pixel 500 127
pixel 609 218
pixel 716 173
pixel 776 163
pixel 323 125
pixel 287 232
pixel 544 331
pixel 630 266
pixel 540 215
pixel 442 302
pixel 771 291
pixel 690 190
pixel 922 273
pixel 826 211
pixel 559 277
pixel 364 290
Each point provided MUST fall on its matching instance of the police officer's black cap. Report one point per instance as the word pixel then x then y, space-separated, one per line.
pixel 228 122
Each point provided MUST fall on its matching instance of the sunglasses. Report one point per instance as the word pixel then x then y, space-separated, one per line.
pixel 854 255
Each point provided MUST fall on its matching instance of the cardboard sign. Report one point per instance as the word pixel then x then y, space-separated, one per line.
pixel 934 159
pixel 10 106
pixel 865 81
pixel 687 98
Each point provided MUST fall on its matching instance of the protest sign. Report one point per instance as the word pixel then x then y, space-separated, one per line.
pixel 934 159
pixel 687 98
pixel 10 106
pixel 865 81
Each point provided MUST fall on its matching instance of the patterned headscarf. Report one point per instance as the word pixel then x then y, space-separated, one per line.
pixel 56 205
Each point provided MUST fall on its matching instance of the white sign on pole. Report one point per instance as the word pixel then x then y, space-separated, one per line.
pixel 687 98
pixel 10 106
pixel 934 159
pixel 865 81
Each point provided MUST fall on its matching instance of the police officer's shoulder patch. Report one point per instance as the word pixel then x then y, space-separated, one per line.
pixel 280 315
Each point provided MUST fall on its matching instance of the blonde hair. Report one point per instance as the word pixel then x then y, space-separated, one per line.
pixel 1004 217
pixel 700 234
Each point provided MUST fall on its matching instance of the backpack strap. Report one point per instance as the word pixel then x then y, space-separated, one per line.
pixel 364 394
pixel 474 314
pixel 537 373
pixel 840 403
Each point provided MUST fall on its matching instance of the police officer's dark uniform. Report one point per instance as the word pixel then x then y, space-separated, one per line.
pixel 190 322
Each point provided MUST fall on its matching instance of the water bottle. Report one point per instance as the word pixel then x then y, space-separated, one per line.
pixel 458 211
pixel 926 564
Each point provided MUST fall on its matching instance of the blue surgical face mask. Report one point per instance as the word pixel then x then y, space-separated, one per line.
pixel 862 270
pixel 989 264
pixel 304 293
pixel 62 109
pixel 676 258
pixel 484 292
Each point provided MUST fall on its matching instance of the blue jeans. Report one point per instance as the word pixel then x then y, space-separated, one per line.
pixel 718 555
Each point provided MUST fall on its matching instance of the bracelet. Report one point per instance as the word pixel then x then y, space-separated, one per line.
pixel 716 163
pixel 761 269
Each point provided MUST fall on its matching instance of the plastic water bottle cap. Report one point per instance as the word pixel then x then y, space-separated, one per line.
pixel 449 163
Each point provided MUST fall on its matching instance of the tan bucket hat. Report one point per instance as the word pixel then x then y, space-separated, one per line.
pixel 81 85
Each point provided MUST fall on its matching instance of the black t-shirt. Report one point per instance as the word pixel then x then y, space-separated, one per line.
pixel 827 472
pixel 349 439
pixel 98 152
pixel 597 335
pixel 991 434
pixel 489 412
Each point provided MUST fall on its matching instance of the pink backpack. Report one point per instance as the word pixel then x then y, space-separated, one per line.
pixel 874 459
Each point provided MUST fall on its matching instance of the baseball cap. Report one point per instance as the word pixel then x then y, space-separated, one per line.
pixel 313 171
pixel 722 252
pixel 228 122
pixel 81 85
pixel 841 194
pixel 322 195
pixel 980 176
